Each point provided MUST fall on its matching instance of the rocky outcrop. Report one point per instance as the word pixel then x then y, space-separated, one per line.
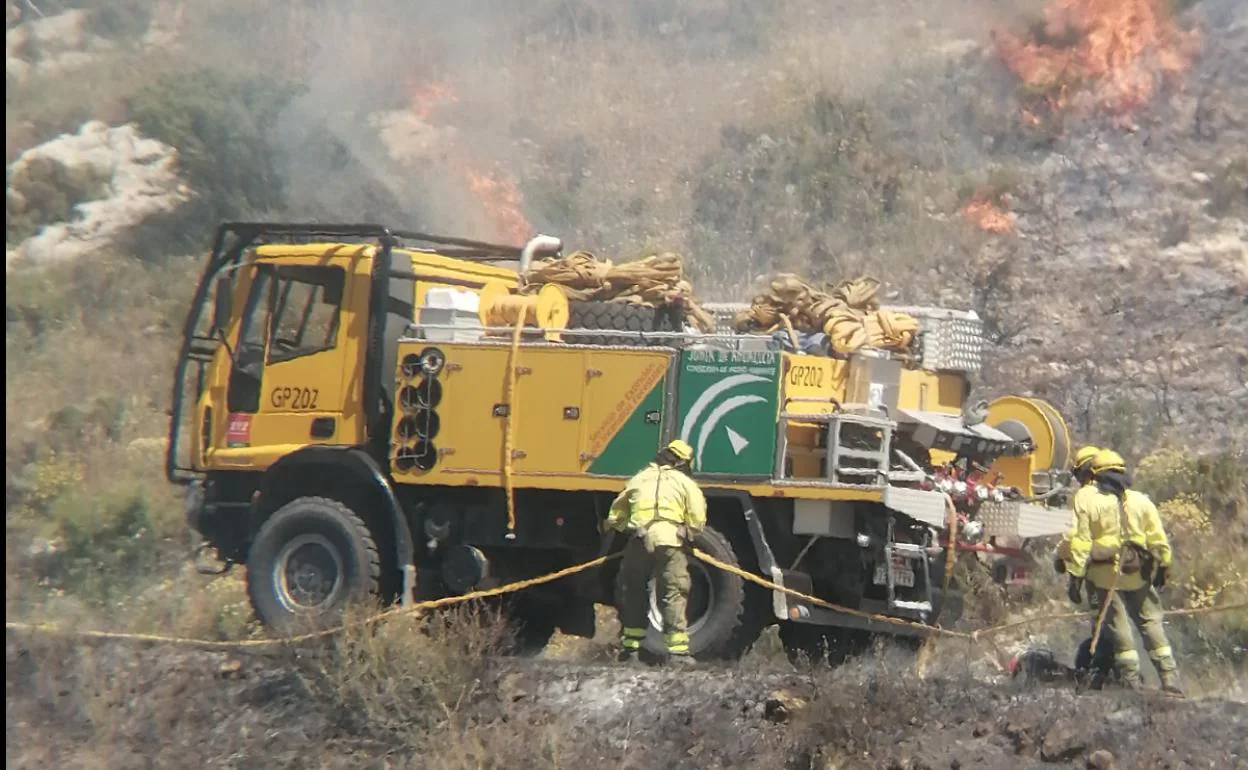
pixel 126 177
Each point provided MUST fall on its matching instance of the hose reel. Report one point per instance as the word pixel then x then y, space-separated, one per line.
pixel 1037 424
pixel 548 309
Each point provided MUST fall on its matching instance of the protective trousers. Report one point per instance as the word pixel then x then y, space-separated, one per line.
pixel 669 568
pixel 1143 608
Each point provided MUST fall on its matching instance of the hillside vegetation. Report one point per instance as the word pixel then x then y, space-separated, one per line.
pixel 827 139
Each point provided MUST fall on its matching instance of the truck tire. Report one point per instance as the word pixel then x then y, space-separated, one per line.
pixel 724 622
pixel 311 558
pixel 620 317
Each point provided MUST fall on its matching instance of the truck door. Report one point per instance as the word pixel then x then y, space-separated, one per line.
pixel 286 384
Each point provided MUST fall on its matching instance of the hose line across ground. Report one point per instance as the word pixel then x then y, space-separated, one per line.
pixel 214 644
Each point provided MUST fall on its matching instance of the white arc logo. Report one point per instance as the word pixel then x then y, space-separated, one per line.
pixel 729 405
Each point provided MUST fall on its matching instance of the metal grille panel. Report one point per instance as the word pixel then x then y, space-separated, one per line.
pixel 949 340
pixel 999 519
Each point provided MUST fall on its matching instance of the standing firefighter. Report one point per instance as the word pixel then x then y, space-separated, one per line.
pixel 660 510
pixel 1081 470
pixel 1119 545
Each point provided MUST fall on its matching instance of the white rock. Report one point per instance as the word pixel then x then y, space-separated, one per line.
pixel 140 180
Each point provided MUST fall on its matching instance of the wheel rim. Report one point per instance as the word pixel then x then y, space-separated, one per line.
pixel 308 574
pixel 697 607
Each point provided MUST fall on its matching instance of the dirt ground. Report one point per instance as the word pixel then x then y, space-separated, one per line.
pixel 117 705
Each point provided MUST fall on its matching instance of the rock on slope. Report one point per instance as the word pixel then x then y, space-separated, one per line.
pixel 135 178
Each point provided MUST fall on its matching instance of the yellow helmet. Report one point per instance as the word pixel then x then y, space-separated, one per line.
pixel 1085 456
pixel 1108 460
pixel 681 450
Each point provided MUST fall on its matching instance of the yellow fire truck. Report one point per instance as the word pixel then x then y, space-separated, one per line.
pixel 370 412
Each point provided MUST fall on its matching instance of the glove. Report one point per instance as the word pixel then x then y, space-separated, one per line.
pixel 1059 565
pixel 1159 577
pixel 1075 590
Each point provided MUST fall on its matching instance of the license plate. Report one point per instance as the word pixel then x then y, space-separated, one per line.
pixel 903 573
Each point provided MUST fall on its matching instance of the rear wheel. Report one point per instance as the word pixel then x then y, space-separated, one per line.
pixel 310 559
pixel 722 610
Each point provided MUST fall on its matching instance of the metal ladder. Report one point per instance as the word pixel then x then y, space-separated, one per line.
pixel 922 607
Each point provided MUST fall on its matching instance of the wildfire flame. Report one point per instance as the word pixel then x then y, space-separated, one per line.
pixel 428 99
pixel 1117 51
pixel 982 212
pixel 499 198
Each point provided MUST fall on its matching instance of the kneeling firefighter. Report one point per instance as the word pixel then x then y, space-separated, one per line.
pixel 660 510
pixel 1120 545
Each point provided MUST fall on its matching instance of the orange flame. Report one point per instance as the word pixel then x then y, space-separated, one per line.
pixel 1118 51
pixel 428 99
pixel 502 203
pixel 982 212
pixel 500 199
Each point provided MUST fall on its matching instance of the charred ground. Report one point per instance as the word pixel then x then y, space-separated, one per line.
pixel 117 705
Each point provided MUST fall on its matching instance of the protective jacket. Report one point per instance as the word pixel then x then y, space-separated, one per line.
pixel 661 505
pixel 1083 496
pixel 1097 540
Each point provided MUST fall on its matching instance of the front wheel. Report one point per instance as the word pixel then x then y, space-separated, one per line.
pixel 310 559
pixel 724 613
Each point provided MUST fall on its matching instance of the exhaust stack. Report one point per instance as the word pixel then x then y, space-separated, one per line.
pixel 546 245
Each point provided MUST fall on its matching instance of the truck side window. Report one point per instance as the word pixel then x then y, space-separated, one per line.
pixel 244 390
pixel 305 317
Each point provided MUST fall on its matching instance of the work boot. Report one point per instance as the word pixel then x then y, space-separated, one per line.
pixel 1130 678
pixel 681 660
pixel 1170 683
pixel 628 658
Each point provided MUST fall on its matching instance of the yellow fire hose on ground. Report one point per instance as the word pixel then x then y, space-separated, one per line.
pixel 244 644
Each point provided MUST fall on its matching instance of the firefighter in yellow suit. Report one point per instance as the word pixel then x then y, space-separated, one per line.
pixel 660 510
pixel 1119 543
pixel 1081 470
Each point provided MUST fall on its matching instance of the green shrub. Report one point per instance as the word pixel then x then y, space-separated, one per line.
pixel 44 191
pixel 801 192
pixel 219 124
pixel 105 543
